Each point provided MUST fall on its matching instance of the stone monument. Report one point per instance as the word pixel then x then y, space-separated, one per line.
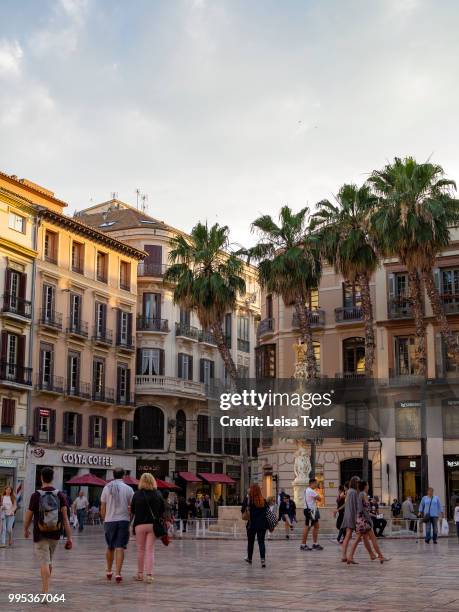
pixel 302 469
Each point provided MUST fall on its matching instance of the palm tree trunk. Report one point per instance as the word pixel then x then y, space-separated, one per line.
pixel 225 354
pixel 439 312
pixel 415 291
pixel 303 314
pixel 367 310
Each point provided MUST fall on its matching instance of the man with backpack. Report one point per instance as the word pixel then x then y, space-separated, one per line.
pixel 48 509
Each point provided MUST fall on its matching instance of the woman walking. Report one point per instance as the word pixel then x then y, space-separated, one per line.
pixel 8 508
pixel 340 502
pixel 254 507
pixel 147 506
pixel 351 508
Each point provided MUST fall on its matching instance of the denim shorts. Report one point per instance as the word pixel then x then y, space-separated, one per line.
pixel 116 534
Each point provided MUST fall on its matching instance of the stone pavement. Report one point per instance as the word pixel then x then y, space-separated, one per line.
pixel 211 575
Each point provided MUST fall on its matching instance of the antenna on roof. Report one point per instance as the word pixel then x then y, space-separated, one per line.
pixel 144 198
pixel 137 195
pixel 114 195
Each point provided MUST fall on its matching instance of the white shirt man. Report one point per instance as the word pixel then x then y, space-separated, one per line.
pixel 311 515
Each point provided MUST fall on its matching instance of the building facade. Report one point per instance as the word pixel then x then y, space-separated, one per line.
pixel 417 439
pixel 177 363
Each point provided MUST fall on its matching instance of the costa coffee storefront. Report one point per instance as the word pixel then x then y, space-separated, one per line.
pixel 67 464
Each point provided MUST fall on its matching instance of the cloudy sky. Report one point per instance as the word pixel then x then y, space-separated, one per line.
pixel 223 110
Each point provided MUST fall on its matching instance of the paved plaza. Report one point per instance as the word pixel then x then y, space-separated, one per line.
pixel 211 575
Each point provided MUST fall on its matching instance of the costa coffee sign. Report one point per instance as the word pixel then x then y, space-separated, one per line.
pixel 80 459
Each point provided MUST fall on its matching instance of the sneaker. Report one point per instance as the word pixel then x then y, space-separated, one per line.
pixel 317 547
pixel 287 537
pixel 305 547
pixel 247 560
pixel 427 541
pixel 435 541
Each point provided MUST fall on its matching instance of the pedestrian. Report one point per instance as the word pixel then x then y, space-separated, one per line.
pixel 147 506
pixel 193 507
pixel 285 514
pixel 430 509
pixel 339 514
pixel 183 511
pixel 256 506
pixel 205 507
pixel 167 512
pixel 49 511
pixel 456 517
pixel 80 507
pixel 8 507
pixel 350 514
pixel 379 522
pixel 396 508
pixel 312 516
pixel 408 513
pixel 115 504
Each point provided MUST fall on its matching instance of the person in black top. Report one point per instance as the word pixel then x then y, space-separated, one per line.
pixel 340 502
pixel 256 506
pixel 147 506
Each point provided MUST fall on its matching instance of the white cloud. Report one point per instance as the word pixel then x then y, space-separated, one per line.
pixel 10 57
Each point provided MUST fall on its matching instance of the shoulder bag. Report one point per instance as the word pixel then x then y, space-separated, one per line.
pixel 158 526
pixel 271 519
pixel 426 517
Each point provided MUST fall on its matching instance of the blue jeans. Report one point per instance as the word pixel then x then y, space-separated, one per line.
pixel 81 516
pixel 7 528
pixel 432 525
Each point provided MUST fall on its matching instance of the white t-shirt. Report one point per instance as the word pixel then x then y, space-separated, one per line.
pixel 81 502
pixel 7 505
pixel 117 496
pixel 310 499
pixel 456 514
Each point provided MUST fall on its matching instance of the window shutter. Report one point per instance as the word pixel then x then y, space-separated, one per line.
pixel 4 345
pixel 128 432
pixel 190 368
pixel 94 376
pixel 118 325
pixel 114 441
pixel 118 382
pixel 23 286
pixel 180 365
pixel 201 370
pixel 79 429
pixel 21 358
pixel 91 432
pixel 437 280
pixel 138 362
pixel 65 436
pixel 129 329
pixel 212 369
pixel 391 285
pixel 439 355
pixel 7 280
pixel 161 362
pixel 8 410
pixel 104 432
pixel 128 385
pixel 104 317
pixel 52 427
pixel 36 422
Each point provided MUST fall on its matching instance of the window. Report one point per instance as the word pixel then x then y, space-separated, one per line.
pixel 51 246
pixel 124 328
pixel 12 357
pixel 406 363
pixel 119 433
pixel 450 363
pixel 408 420
pixel 75 311
pixel 125 275
pixel 265 361
pixel 44 424
pixel 185 317
pixel 8 413
pixel 203 438
pixel 149 427
pixel 97 432
pixel 207 371
pixel 399 303
pixel 180 431
pixel 43 428
pixel 78 257
pixel 49 293
pixel 73 366
pixel 243 343
pixel 450 409
pixel 17 222
pixel 46 366
pixel 99 378
pixel 152 306
pixel 450 283
pixel 14 290
pixel 72 428
pixel 150 362
pixel 101 320
pixel 351 295
pixel 12 354
pixel 122 383
pixel 185 366
pixel 313 301
pixel 354 356
pixel 102 266
pixel 269 306
pixel 152 265
pixel 228 328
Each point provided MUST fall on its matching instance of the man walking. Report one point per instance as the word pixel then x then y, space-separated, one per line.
pixel 115 503
pixel 80 506
pixel 48 509
pixel 430 509
pixel 312 516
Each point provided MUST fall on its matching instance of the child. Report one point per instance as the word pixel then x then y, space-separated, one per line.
pixel 456 517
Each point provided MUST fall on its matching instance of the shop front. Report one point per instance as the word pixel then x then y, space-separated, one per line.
pixel 409 478
pixel 452 483
pixel 70 463
pixel 159 468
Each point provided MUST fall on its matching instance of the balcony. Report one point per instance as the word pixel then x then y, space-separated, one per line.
pixel 265 328
pixel 49 384
pixel 77 328
pixel 399 308
pixel 207 337
pixel 11 373
pixel 82 390
pixel 169 385
pixel 126 399
pixel 183 330
pixel 103 395
pixel 102 336
pixel 450 303
pixel 125 286
pixel 348 314
pixel 125 343
pixel 316 318
pixel 350 375
pixel 50 319
pixel 16 306
pixel 243 345
pixel 152 325
pixel 151 269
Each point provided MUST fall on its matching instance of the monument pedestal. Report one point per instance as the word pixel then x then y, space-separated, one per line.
pixel 298 492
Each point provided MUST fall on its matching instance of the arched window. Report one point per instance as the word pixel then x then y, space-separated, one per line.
pixel 354 356
pixel 149 427
pixel 180 431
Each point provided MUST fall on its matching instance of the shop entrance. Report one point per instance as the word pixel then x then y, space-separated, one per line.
pixel 409 478
pixel 452 483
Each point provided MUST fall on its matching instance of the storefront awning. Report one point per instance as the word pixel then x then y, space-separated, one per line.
pixel 87 480
pixel 189 477
pixel 216 478
pixel 163 484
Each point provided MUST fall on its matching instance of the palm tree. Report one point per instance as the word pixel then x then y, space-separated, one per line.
pixel 346 244
pixel 413 219
pixel 207 279
pixel 289 265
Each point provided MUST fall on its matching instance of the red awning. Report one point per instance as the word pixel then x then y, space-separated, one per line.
pixel 189 477
pixel 216 478
pixel 163 484
pixel 87 480
pixel 130 480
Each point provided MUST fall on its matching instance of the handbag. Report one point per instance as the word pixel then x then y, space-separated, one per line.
pixel 271 519
pixel 158 526
pixel 246 515
pixel 426 517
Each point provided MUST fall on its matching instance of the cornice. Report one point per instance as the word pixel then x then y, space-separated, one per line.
pixel 19 249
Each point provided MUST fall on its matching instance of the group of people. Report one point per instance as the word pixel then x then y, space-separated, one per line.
pixel 378 521
pixel 8 507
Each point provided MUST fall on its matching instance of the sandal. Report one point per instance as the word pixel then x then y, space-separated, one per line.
pixel 118 579
pixel 109 575
pixel 383 559
pixel 351 562
pixel 138 577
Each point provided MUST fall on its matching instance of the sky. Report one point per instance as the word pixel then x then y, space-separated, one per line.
pixel 223 110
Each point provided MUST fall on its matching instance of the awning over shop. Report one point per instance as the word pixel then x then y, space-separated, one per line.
pixel 216 478
pixel 87 480
pixel 163 484
pixel 189 477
